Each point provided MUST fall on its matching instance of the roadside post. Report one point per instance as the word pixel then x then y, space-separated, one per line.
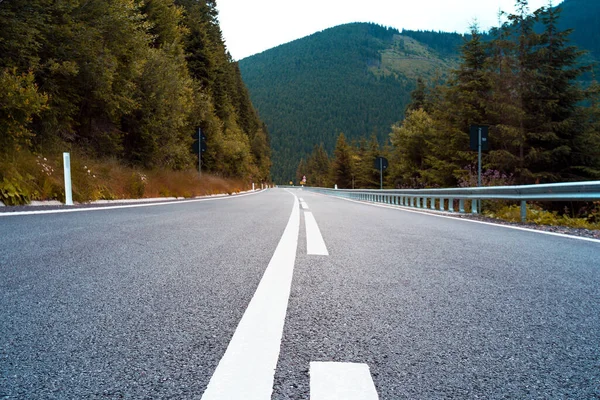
pixel 201 148
pixel 68 189
pixel 479 142
pixel 381 163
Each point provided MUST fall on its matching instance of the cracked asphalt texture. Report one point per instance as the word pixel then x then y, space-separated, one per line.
pixel 142 302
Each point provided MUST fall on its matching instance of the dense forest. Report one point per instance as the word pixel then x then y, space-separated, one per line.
pixel 310 90
pixel 125 79
pixel 357 79
pixel 522 81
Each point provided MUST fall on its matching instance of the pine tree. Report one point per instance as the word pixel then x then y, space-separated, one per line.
pixel 342 168
pixel 463 102
pixel 409 160
pixel 317 168
pixel 555 120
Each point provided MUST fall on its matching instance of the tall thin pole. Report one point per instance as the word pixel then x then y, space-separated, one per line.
pixel 479 160
pixel 479 168
pixel 200 151
pixel 381 173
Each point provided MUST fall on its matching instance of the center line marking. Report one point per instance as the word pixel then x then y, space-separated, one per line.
pixel 314 240
pixel 247 369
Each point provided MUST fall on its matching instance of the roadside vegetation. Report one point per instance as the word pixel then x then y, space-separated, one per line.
pixel 28 177
pixel 125 86
pixel 524 81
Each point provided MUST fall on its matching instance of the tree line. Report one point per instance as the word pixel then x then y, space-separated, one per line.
pixel 522 82
pixel 127 79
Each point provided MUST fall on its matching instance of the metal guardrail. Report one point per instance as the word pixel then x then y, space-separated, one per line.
pixel 445 199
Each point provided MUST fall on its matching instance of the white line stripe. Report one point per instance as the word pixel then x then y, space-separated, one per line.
pixel 337 381
pixel 304 205
pixel 164 203
pixel 247 368
pixel 401 208
pixel 314 240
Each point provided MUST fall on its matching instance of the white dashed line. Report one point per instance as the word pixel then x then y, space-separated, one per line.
pixel 315 245
pixel 336 381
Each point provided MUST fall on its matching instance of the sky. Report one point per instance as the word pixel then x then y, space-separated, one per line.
pixel 252 26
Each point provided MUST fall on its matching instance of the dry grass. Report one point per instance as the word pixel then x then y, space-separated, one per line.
pixel 30 177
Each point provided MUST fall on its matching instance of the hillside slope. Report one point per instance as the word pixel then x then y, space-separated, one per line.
pixel 354 78
pixel 357 79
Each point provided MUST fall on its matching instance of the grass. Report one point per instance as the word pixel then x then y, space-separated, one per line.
pixel 25 177
pixel 539 216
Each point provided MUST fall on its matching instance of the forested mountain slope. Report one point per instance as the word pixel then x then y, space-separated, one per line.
pixel 357 79
pixel 354 78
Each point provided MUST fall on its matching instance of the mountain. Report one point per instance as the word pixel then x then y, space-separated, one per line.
pixel 357 78
pixel 583 16
pixel 354 78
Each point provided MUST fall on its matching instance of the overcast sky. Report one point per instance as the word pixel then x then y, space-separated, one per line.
pixel 252 26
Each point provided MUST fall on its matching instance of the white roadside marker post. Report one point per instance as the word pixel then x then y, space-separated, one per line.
pixel 68 189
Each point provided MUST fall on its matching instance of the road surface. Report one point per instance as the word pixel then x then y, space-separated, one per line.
pixel 287 294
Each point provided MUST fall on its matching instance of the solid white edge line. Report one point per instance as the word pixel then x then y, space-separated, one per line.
pixel 337 381
pixel 315 245
pixel 402 208
pixel 247 369
pixel 149 204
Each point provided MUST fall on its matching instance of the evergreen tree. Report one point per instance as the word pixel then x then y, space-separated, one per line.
pixel 366 175
pixel 409 159
pixel 317 168
pixel 463 103
pixel 342 168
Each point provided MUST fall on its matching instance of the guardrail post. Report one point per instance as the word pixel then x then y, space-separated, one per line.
pixel 474 206
pixel 461 205
pixel 451 204
pixel 433 203
pixel 442 205
pixel 523 211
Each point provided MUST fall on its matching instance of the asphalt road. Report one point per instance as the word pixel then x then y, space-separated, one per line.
pixel 143 302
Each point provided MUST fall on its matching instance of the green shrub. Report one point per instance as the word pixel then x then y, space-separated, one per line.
pixel 539 216
pixel 13 192
pixel 137 185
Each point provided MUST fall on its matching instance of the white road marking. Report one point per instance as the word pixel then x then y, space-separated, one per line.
pixel 337 381
pixel 304 205
pixel 518 228
pixel 315 245
pixel 247 368
pixel 149 204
